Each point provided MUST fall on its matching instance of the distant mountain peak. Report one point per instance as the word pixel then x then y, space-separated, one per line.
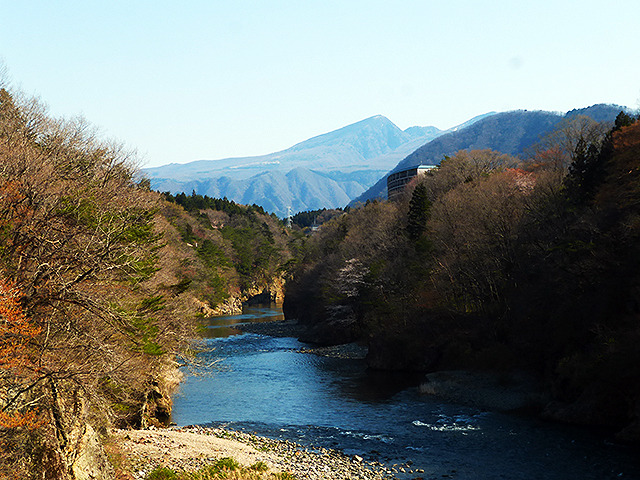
pixel 370 137
pixel 327 170
pixel 416 131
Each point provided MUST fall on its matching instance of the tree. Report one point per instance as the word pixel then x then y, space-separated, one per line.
pixel 586 172
pixel 418 213
pixel 18 372
pixel 558 149
pixel 620 189
pixel 465 166
pixel 592 157
pixel 78 238
pixel 475 229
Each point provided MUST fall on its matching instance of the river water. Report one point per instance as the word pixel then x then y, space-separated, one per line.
pixel 263 384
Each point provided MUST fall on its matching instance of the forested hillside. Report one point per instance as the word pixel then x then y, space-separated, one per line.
pixel 86 326
pixel 101 281
pixel 492 262
pixel 235 253
pixel 514 133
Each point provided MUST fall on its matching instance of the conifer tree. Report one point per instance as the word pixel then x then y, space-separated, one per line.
pixel 418 214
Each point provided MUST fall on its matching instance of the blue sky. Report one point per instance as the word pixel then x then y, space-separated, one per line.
pixel 191 80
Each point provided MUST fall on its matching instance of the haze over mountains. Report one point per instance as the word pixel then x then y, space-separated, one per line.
pixel 325 171
pixel 350 165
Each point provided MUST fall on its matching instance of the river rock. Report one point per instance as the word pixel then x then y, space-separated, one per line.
pixel 594 406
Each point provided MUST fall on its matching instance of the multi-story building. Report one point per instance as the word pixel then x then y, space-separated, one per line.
pixel 396 181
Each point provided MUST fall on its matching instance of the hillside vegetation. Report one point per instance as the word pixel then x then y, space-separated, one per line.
pixel 514 133
pixel 493 262
pixel 101 283
pixel 235 253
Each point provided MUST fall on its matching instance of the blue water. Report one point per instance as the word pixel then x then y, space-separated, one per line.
pixel 264 384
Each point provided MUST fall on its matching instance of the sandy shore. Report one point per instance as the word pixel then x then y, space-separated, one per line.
pixel 189 448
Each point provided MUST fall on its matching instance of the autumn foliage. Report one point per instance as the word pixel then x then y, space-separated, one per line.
pixel 16 332
pixel 86 325
pixel 18 367
pixel 18 360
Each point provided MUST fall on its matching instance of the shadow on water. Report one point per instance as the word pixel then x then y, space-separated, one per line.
pixel 226 326
pixel 365 385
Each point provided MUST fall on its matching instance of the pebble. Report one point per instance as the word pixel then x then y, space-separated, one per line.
pixel 304 463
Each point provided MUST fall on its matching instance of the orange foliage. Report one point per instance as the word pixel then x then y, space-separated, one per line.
pixel 16 331
pixel 29 420
pixel 627 137
pixel 549 158
pixel 16 335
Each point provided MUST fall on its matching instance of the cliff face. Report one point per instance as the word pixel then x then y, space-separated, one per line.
pixel 73 447
pixel 266 292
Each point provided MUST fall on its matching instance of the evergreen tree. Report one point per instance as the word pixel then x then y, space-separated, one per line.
pixel 586 172
pixel 589 167
pixel 418 214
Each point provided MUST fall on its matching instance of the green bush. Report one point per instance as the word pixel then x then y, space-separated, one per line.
pixel 227 463
pixel 162 474
pixel 259 467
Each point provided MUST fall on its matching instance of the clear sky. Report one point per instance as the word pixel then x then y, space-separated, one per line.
pixel 207 79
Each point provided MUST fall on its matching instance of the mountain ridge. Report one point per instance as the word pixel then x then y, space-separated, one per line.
pixel 342 163
pixel 350 164
pixel 511 132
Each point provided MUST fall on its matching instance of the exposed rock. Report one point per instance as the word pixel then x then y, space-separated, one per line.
pixel 353 351
pixel 74 450
pixel 267 292
pixel 231 306
pixel 157 407
pixel 91 462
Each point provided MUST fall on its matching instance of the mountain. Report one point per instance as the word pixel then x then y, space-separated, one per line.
pixel 325 171
pixel 508 132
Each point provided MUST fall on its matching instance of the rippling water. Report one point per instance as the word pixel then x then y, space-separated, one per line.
pixel 263 384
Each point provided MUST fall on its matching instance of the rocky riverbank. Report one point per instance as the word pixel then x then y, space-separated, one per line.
pixel 277 328
pixel 291 328
pixel 191 448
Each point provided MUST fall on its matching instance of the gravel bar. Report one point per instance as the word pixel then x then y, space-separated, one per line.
pixel 190 448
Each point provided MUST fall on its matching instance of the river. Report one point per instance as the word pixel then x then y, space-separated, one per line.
pixel 264 384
